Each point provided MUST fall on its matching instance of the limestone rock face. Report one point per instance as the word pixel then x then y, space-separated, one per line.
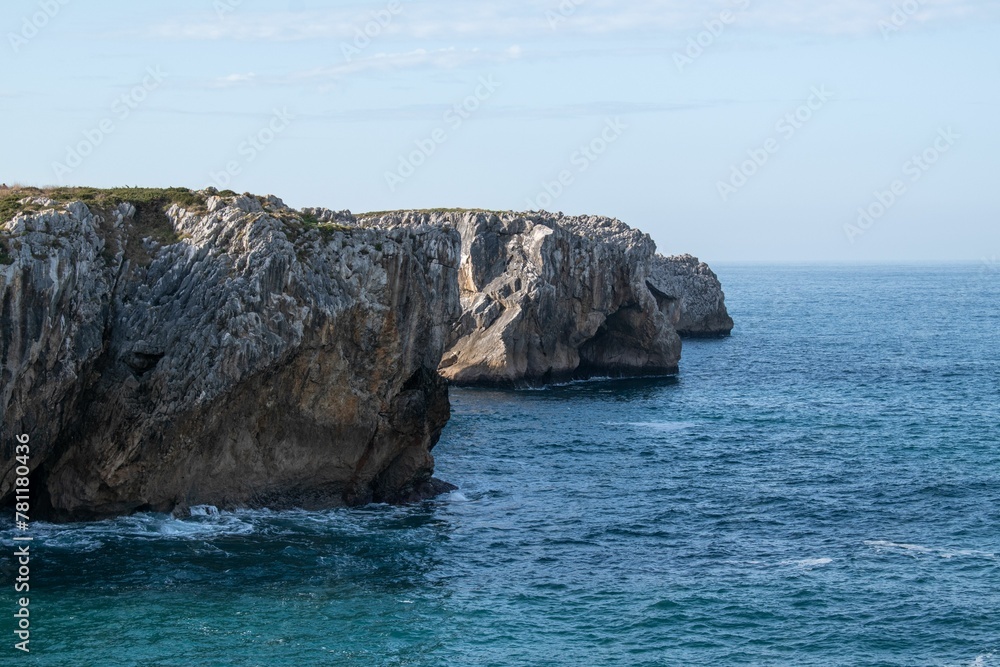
pixel 690 295
pixel 239 353
pixel 247 359
pixel 548 297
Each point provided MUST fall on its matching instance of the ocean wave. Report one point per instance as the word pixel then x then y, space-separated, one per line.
pixel 811 562
pixel 597 380
pixel 655 426
pixel 983 660
pixel 147 526
pixel 454 497
pixel 804 563
pixel 917 549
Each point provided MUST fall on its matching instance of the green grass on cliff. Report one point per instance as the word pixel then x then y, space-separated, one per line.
pixel 327 229
pixel 11 206
pixel 102 197
pixel 151 204
pixel 376 214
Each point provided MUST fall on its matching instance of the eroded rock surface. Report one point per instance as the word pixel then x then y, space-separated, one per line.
pixel 252 358
pixel 548 297
pixel 231 351
pixel 690 295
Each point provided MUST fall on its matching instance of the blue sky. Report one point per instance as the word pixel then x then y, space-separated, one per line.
pixel 736 130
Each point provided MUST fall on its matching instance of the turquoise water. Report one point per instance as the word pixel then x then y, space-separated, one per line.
pixel 823 488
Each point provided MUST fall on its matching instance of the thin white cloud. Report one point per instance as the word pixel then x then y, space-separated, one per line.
pixel 534 20
pixel 860 17
pixel 449 58
pixel 434 111
pixel 235 79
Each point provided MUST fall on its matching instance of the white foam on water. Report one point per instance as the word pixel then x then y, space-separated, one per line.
pixel 973 553
pixel 755 563
pixel 94 535
pixel 899 546
pixel 916 549
pixel 654 426
pixel 563 383
pixel 982 660
pixel 204 510
pixel 597 379
pixel 70 540
pixel 806 563
pixel 455 497
pixel 197 527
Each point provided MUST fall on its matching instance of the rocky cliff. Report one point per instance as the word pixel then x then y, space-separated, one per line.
pixel 168 348
pixel 690 295
pixel 165 349
pixel 548 297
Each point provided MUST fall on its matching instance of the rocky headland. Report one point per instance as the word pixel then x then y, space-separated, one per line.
pixel 549 297
pixel 690 295
pixel 168 348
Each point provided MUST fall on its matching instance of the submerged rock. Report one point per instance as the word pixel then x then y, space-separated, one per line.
pixel 228 354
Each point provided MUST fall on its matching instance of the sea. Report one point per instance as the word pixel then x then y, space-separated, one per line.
pixel 820 488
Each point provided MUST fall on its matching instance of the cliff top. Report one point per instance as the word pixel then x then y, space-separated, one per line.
pixel 12 201
pixel 595 227
pixel 154 204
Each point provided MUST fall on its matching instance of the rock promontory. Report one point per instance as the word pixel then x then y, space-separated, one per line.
pixel 167 348
pixel 548 297
pixel 690 295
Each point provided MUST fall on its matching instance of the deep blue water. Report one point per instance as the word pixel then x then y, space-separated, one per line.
pixel 822 488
